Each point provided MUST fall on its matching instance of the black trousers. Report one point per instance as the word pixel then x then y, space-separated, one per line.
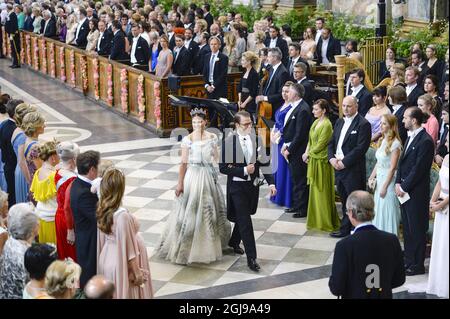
pixel 1 42
pixel 15 49
pixel 11 187
pixel 300 188
pixel 345 188
pixel 415 226
pixel 243 227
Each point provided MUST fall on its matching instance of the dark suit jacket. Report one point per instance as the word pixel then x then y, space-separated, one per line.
pixel 172 42
pixel 309 92
pixel 118 47
pixel 209 19
pixel 28 24
pixel 441 148
pixel 413 173
pixel 334 48
pixel 81 41
pixel 365 101
pixel 105 43
pixel 219 76
pixel 414 95
pixel 401 127
pixel 11 25
pixel 181 65
pixel 50 31
pixel 84 205
pixel 8 154
pixel 193 52
pixel 199 60
pixel 272 88
pixel 142 52
pixel 283 46
pixel 296 129
pixel 291 74
pixel 355 145
pixel 232 164
pixel 352 256
pixel 251 86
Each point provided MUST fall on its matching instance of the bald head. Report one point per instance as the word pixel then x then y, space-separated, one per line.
pixel 98 287
pixel 349 106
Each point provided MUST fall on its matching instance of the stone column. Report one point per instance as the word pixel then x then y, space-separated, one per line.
pixel 268 4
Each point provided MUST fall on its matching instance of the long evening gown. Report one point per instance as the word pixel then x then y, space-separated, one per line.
pixel 197 229
pixel 22 187
pixel 322 214
pixel 387 209
pixel 281 171
pixel 3 185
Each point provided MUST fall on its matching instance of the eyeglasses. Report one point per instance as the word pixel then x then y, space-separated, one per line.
pixel 246 124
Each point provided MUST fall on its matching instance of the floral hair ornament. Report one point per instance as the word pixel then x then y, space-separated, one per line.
pixel 197 111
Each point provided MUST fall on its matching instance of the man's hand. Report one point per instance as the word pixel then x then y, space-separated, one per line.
pixel 398 191
pixel 210 88
pixel 286 154
pixel 259 98
pixel 438 159
pixel 250 169
pixel 273 190
pixel 333 163
pixel 340 165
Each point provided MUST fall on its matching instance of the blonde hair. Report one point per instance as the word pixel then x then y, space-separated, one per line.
pixel 31 122
pixel 47 149
pixel 222 20
pixel 428 100
pixel 21 110
pixel 112 189
pixel 253 58
pixel 230 41
pixel 203 25
pixel 61 276
pixel 260 36
pixel 103 166
pixel 392 134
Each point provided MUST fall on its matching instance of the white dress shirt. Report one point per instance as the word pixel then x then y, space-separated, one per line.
pixel 99 40
pixel 133 50
pixel 347 122
pixel 245 142
pixel 187 43
pixel 356 90
pixel 45 26
pixel 274 68
pixel 85 179
pixel 324 51
pixel 410 88
pixel 170 35
pixel 211 71
pixel 318 35
pixel 395 108
pixel 273 43
pixel 412 135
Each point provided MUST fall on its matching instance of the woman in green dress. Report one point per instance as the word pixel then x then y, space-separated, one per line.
pixel 322 213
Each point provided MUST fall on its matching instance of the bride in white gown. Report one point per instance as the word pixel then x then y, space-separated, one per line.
pixel 197 229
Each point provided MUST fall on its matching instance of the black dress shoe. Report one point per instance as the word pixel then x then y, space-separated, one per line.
pixel 14 66
pixel 291 210
pixel 253 265
pixel 299 215
pixel 414 272
pixel 237 250
pixel 338 234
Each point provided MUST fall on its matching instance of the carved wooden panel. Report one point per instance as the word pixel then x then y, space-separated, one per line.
pixel 132 93
pixel 78 77
pixel 117 87
pixel 103 80
pixel 150 101
pixel 90 74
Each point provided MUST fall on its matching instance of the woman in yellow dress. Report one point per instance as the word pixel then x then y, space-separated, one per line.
pixel 43 189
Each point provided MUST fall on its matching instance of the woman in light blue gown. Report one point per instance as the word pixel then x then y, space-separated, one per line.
pixel 387 206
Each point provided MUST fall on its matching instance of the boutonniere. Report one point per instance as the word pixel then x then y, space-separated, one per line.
pixel 263 70
pixel 216 60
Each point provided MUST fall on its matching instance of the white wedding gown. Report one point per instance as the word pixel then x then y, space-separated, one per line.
pixel 197 229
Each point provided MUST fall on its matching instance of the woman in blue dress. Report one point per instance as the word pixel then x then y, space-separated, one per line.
pixel 387 206
pixel 3 118
pixel 280 167
pixel 22 176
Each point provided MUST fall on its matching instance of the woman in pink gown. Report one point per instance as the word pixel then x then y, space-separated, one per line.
pixel 121 253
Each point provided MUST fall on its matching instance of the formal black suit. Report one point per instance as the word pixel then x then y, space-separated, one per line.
pixel 50 31
pixel 199 60
pixel 273 86
pixel 172 42
pixel 296 132
pixel 104 43
pixel 118 52
pixel 309 91
pixel 12 29
pixel 142 52
pixel 401 126
pixel 84 205
pixel 441 148
pixel 291 64
pixel 283 46
pixel 209 19
pixel 243 196
pixel 81 40
pixel 8 158
pixel 413 175
pixel 414 95
pixel 193 49
pixel 249 87
pixel 365 101
pixel 353 176
pixel 181 63
pixel 333 48
pixel 352 256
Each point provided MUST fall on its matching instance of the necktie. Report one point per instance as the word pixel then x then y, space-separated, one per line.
pixel 272 72
pixel 211 67
pixel 291 67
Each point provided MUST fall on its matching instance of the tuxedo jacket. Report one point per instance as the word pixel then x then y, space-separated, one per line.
pixel 296 129
pixel 50 31
pixel 193 52
pixel 365 101
pixel 355 145
pixel 81 41
pixel 199 60
pixel 272 88
pixel 105 43
pixel 118 51
pixel 209 19
pixel 181 63
pixel 413 172
pixel 219 76
pixel 441 148
pixel 291 74
pixel 232 164
pixel 11 24
pixel 142 52
pixel 352 256
pixel 414 95
pixel 84 205
pixel 334 48
pixel 401 127
pixel 309 92
pixel 283 46
pixel 172 42
pixel 8 154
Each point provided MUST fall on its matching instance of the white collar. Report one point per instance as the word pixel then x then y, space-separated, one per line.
pixel 82 21
pixel 396 107
pixel 274 39
pixel 412 86
pixel 350 119
pixel 303 78
pixel 414 133
pixel 296 103
pixel 136 38
pixel 360 226
pixel 243 136
pixel 85 179
pixel 358 88
pixel 275 67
